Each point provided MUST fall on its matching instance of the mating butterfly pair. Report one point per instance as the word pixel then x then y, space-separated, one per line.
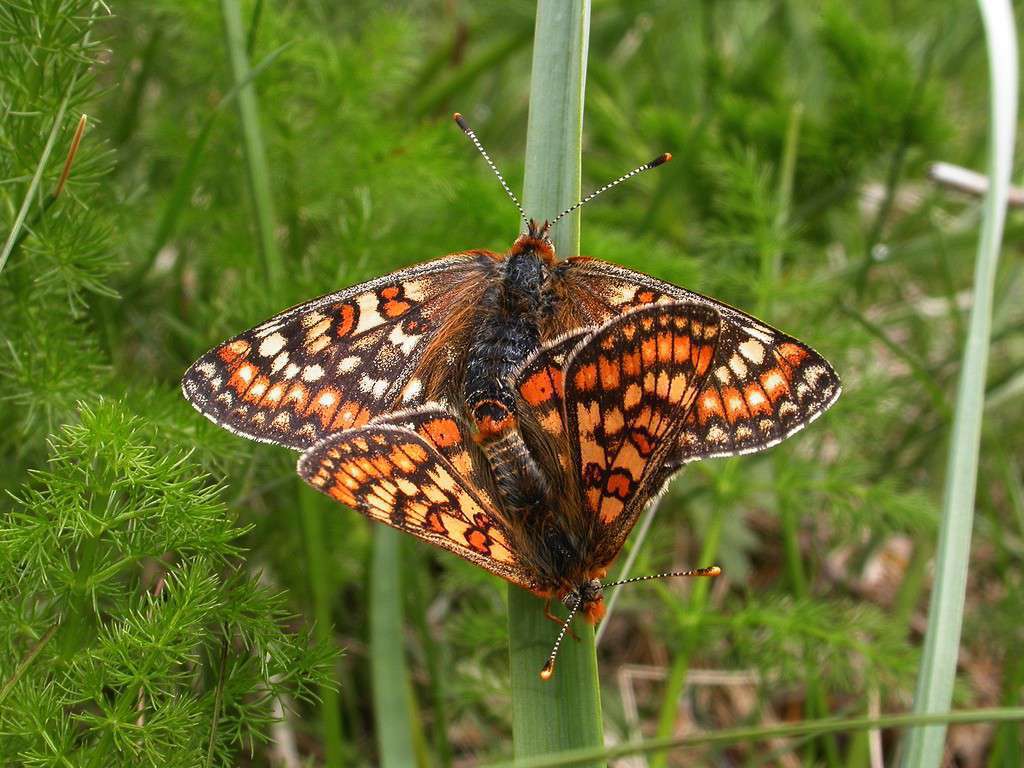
pixel 517 410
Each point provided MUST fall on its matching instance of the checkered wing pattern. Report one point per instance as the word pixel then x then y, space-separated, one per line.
pixel 338 361
pixel 540 389
pixel 409 471
pixel 763 387
pixel 628 390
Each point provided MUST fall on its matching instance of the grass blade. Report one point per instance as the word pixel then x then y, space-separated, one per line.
pixel 321 585
pixel 769 733
pixel 252 137
pixel 924 746
pixel 564 712
pixel 391 689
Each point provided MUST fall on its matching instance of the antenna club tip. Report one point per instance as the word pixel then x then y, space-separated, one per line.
pixel 661 159
pixel 714 570
pixel 461 121
pixel 548 671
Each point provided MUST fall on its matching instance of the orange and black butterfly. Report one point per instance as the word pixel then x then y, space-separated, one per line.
pixel 549 507
pixel 481 333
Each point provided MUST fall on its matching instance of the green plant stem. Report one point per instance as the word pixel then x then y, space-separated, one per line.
pixel 218 697
pixel 924 746
pixel 14 236
pixel 564 712
pixel 26 662
pixel 184 182
pixel 676 682
pixel 396 738
pixel 769 733
pixel 252 137
pixel 321 588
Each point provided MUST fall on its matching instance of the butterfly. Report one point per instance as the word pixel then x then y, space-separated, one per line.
pixel 476 337
pixel 604 406
pixel 455 329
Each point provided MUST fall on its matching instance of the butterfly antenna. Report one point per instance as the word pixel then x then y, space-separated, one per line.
pixel 714 570
pixel 461 121
pixel 659 160
pixel 549 665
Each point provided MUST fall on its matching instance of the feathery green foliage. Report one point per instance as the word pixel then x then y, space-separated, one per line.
pixel 802 134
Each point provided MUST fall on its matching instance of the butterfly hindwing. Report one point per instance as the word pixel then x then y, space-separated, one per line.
pixel 397 476
pixel 628 390
pixel 764 385
pixel 336 362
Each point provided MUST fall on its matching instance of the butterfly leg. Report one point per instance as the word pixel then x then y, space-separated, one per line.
pixel 551 617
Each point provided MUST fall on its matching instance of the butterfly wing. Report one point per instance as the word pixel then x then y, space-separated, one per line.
pixel 628 389
pixel 337 361
pixel 408 471
pixel 539 385
pixel 764 385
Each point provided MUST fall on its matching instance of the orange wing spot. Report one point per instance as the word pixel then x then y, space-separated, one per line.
pixel 538 388
pixel 757 400
pixel 642 440
pixel 443 433
pixel 433 522
pixel 619 484
pixel 391 292
pixel 257 390
pixel 649 351
pixel 401 460
pixel 234 352
pixel 383 466
pixel 709 405
pixel 775 384
pixel 586 377
pixel 703 359
pixel 665 346
pixel 644 297
pixel 394 309
pixel 681 351
pixel 346 321
pixel 793 354
pixel 415 451
pixel 609 373
pixel 343 495
pixel 478 540
pixel 242 377
pixel 631 364
pixel 297 396
pixel 324 404
pixel 736 408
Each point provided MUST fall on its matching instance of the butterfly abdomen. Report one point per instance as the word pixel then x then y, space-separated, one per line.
pixel 506 334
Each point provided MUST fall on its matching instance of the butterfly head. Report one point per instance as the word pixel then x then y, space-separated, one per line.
pixel 537 239
pixel 588 598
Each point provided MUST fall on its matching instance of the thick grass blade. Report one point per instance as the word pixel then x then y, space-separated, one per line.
pixel 924 746
pixel 321 585
pixel 768 733
pixel 564 712
pixel 392 703
pixel 252 137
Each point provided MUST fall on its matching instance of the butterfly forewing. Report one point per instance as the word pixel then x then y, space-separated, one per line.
pixel 764 385
pixel 336 362
pixel 628 390
pixel 397 476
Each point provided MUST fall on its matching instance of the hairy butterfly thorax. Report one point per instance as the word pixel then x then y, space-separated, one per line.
pixel 514 409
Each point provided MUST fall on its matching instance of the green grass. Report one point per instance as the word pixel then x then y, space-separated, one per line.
pixel 935 682
pixel 565 711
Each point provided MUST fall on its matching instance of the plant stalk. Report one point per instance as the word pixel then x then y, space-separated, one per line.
pixel 565 711
pixel 924 746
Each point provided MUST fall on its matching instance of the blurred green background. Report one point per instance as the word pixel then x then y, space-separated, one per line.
pixel 167 588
